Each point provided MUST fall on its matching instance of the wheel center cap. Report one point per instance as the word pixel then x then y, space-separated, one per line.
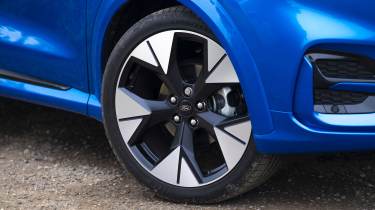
pixel 185 108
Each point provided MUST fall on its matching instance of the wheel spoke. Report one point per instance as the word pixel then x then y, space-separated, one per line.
pixel 160 51
pixel 232 134
pixel 231 149
pixel 160 114
pixel 173 80
pixel 171 76
pixel 161 45
pixel 129 105
pixel 133 110
pixel 223 72
pixel 190 172
pixel 209 120
pixel 215 54
pixel 239 128
pixel 187 176
pixel 167 169
pixel 128 128
pixel 218 73
pixel 143 52
pixel 157 52
pixel 233 137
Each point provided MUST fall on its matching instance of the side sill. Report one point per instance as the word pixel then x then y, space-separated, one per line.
pixel 71 99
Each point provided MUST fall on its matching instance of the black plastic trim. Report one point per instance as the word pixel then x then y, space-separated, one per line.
pixel 323 81
pixel 27 79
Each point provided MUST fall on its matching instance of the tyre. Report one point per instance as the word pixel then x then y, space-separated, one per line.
pixel 175 114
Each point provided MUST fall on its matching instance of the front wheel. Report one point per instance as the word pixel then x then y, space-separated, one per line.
pixel 175 114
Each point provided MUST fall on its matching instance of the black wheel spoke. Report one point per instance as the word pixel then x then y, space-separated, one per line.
pixel 202 88
pixel 231 133
pixel 184 134
pixel 161 112
pixel 150 112
pixel 209 120
pixel 172 79
pixel 217 73
pixel 184 139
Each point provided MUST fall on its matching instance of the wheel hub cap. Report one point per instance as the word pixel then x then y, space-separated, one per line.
pixel 185 108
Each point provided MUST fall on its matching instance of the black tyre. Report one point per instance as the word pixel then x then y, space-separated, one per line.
pixel 175 115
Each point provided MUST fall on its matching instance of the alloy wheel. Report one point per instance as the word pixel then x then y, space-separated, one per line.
pixel 180 109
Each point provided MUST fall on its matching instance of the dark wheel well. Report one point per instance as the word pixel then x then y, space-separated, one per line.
pixel 127 16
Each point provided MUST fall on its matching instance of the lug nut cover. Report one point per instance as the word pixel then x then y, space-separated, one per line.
pixel 200 105
pixel 177 118
pixel 173 100
pixel 193 122
pixel 188 91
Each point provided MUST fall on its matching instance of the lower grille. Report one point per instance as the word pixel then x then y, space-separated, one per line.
pixel 331 68
pixel 347 69
pixel 324 96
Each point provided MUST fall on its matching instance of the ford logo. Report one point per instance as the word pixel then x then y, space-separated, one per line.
pixel 185 108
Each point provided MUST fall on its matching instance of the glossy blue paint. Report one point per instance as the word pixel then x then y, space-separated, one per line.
pixel 45 39
pixel 94 108
pixel 266 39
pixel 292 136
pixel 352 86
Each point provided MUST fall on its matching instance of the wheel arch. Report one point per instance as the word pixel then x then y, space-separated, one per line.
pixel 219 21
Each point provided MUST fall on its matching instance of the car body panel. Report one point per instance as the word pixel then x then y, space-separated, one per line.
pixel 48 37
pixel 267 41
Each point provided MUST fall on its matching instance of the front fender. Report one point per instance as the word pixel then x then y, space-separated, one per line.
pixel 215 14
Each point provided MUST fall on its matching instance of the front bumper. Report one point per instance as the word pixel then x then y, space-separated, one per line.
pixel 291 136
pixel 307 131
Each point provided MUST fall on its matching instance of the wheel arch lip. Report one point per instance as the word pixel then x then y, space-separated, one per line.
pixel 101 20
pixel 220 22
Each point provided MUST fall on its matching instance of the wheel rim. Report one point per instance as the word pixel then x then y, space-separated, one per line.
pixel 180 109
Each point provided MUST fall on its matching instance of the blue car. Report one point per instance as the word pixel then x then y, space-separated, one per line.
pixel 199 98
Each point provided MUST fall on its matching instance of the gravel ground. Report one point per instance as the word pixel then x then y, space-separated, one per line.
pixel 51 159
